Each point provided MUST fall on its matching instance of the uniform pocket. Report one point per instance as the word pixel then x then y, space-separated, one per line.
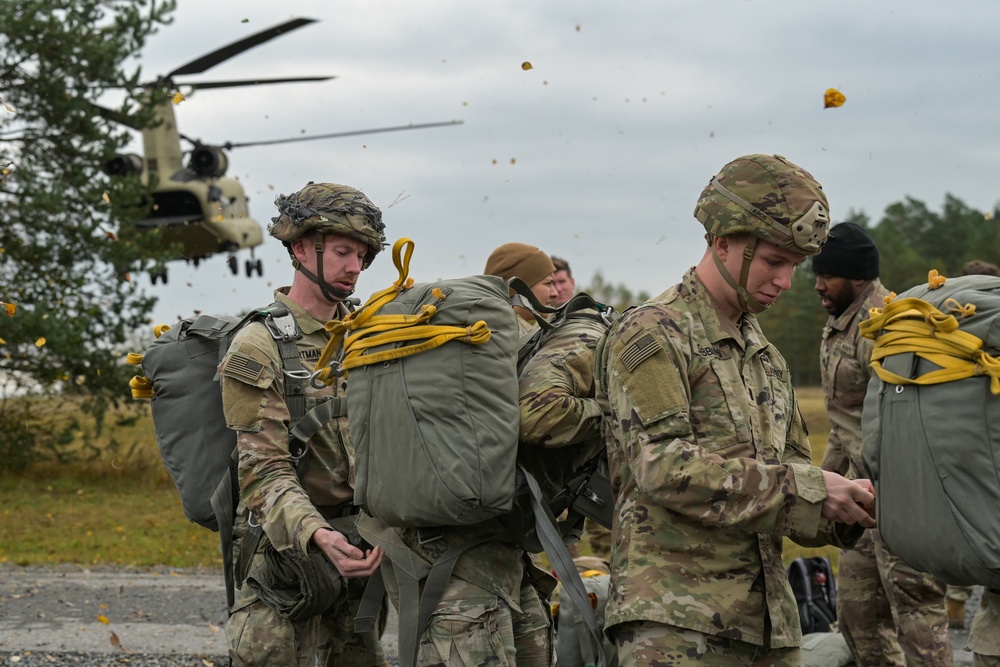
pixel 469 632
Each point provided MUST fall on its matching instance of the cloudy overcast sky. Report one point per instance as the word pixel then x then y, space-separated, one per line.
pixel 597 153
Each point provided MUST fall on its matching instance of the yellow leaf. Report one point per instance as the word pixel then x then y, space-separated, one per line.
pixel 40 341
pixel 103 619
pixel 2 341
pixel 106 198
pixel 218 218
pixel 833 98
pixel 179 97
pixel 526 66
pixel 11 308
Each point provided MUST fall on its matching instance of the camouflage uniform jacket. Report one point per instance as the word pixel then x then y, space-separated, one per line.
pixel 711 468
pixel 561 415
pixel 253 400
pixel 844 363
pixel 526 327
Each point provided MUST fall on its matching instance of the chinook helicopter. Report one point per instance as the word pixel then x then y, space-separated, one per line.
pixel 195 205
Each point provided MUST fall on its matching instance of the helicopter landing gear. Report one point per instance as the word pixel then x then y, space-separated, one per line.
pixel 254 265
pixel 158 275
pixel 233 264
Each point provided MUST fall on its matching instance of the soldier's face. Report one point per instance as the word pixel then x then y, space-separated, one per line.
pixel 836 293
pixel 771 268
pixel 343 258
pixel 565 286
pixel 545 290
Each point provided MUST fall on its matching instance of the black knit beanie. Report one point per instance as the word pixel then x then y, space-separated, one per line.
pixel 848 253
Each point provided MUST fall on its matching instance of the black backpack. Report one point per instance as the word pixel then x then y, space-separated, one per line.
pixel 815 592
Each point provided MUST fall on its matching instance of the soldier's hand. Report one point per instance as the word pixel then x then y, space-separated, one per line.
pixel 349 560
pixel 848 501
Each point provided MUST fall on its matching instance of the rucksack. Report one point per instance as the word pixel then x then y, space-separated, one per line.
pixel 433 403
pixel 196 446
pixel 931 427
pixel 815 589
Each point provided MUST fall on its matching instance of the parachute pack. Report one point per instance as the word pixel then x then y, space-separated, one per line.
pixel 931 427
pixel 433 404
pixel 180 378
pixel 815 589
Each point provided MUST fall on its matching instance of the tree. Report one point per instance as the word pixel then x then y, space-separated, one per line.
pixel 65 242
pixel 619 296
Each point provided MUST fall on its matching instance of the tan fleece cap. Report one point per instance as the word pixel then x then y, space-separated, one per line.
pixel 521 260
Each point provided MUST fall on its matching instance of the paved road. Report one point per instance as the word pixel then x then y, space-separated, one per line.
pixel 48 613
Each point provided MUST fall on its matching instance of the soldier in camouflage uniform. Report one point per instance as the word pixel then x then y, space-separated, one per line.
pixel 984 641
pixel 710 461
pixel 889 613
pixel 332 233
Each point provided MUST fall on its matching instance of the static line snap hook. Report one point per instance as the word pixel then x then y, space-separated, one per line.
pixel 899 389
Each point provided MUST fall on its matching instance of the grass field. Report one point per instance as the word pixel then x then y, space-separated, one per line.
pixel 122 509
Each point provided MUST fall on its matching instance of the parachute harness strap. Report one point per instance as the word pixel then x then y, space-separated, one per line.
pixel 365 329
pixel 913 325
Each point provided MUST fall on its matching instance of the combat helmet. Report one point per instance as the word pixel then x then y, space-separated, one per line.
pixel 328 208
pixel 770 198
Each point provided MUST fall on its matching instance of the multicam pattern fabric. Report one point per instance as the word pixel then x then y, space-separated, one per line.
pixel 984 640
pixel 561 415
pixel 287 509
pixel 843 359
pixel 889 613
pixel 711 467
pixel 642 644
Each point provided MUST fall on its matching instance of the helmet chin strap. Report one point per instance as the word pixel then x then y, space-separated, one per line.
pixel 330 293
pixel 747 302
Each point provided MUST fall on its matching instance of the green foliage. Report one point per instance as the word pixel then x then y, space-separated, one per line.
pixel 912 240
pixel 65 244
pixel 617 295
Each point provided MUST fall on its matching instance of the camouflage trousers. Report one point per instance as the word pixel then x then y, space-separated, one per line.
pixel 958 593
pixel 472 626
pixel 649 644
pixel 984 640
pixel 599 539
pixel 258 636
pixel 889 613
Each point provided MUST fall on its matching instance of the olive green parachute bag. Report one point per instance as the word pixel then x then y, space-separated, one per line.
pixel 931 427
pixel 433 398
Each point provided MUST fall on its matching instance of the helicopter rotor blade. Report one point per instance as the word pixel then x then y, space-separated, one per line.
pixel 112 115
pixel 202 85
pixel 228 145
pixel 212 59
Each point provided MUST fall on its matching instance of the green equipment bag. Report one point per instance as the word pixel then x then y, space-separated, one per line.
pixel 191 433
pixel 931 427
pixel 433 399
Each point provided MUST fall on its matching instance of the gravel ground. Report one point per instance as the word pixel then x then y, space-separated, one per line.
pixel 106 617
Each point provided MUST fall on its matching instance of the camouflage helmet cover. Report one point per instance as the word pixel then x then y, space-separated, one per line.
pixel 332 209
pixel 770 197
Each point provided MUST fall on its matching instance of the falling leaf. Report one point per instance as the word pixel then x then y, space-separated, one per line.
pixel 245 21
pixel 2 341
pixel 10 308
pixel 127 277
pixel 578 28
pixel 103 619
pixel 117 643
pixel 833 98
pixel 513 160
pixel 111 235
pixel 494 161
pixel 8 107
pixel 987 216
pixel 526 66
pixel 179 97
pixel 218 218
pixel 40 342
pixel 106 198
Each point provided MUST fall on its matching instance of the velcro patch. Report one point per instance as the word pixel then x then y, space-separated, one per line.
pixel 640 350
pixel 243 367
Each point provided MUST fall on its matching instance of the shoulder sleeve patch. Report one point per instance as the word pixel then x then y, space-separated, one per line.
pixel 639 350
pixel 243 367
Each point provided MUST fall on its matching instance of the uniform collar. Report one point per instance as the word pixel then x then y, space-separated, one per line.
pixel 307 323
pixel 746 333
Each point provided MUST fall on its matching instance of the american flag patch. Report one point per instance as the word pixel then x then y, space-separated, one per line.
pixel 242 366
pixel 639 351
